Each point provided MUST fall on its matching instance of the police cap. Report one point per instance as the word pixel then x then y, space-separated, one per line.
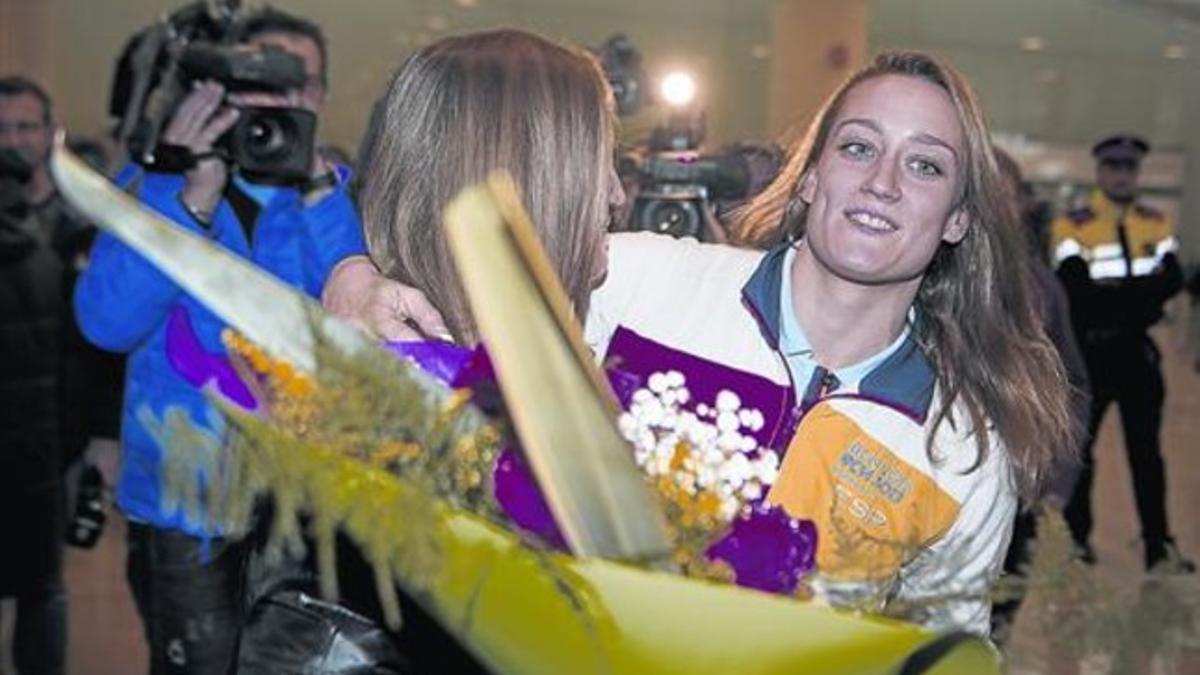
pixel 1121 147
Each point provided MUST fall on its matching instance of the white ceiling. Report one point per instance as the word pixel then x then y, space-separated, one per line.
pixel 1101 67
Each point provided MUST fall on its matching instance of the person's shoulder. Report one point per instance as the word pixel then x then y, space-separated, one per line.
pixel 1078 216
pixel 664 252
pixel 1148 212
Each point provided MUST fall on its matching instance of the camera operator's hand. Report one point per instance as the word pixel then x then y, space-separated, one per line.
pixel 200 120
pixel 713 230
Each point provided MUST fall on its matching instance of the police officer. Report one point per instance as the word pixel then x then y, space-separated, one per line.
pixel 1116 258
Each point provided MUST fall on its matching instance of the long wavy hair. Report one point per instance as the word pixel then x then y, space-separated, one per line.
pixel 976 319
pixel 464 107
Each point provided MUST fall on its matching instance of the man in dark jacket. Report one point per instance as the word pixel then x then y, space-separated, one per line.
pixel 50 396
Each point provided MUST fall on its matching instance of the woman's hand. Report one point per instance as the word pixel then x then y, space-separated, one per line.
pixel 357 293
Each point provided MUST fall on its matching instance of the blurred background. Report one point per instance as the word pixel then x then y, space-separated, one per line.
pixel 1054 75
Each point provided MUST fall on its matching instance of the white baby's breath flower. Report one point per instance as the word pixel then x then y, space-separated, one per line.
pixel 627 425
pixel 660 465
pixel 727 421
pixel 707 434
pixel 751 491
pixel 646 438
pixel 699 450
pixel 770 458
pixel 657 383
pixel 727 401
pixel 712 457
pixel 675 379
pixel 730 442
pixel 651 412
pixel 766 469
pixel 739 467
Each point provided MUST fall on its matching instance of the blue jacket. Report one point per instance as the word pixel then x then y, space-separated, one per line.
pixel 123 302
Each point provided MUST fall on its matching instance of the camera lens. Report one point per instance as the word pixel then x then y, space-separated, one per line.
pixel 269 137
pixel 676 218
pixel 273 145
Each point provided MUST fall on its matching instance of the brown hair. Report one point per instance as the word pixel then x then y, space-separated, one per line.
pixel 975 317
pixel 464 107
pixel 15 85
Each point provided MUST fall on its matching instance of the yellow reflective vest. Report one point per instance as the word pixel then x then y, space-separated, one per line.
pixel 1093 234
pixel 1117 263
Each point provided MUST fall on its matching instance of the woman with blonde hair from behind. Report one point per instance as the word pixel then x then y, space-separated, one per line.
pixel 456 111
pixel 465 107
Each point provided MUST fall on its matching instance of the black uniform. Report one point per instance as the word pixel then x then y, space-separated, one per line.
pixel 1118 265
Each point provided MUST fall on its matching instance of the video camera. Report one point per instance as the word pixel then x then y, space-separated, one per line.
pixel 678 184
pixel 675 181
pixel 197 42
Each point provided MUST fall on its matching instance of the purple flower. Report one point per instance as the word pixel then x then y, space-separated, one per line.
pixel 768 550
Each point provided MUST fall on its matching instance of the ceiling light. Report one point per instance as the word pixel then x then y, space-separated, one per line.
pixel 1048 75
pixel 678 89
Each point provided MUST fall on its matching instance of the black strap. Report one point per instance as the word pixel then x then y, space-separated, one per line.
pixel 170 158
pixel 326 180
pixel 245 208
pixel 1123 237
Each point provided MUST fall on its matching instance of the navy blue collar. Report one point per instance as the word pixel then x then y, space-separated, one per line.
pixel 905 380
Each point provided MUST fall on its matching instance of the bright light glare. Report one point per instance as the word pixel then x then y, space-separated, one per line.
pixel 678 89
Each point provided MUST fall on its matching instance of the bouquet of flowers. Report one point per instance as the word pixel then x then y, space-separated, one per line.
pixel 358 441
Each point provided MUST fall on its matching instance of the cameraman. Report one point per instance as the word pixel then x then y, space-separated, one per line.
pixel 184 576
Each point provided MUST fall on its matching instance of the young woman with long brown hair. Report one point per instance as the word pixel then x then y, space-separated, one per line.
pixel 894 299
